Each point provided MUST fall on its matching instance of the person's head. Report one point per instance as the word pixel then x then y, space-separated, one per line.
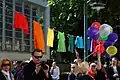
pixel 37 54
pixel 5 64
pixel 54 64
pixel 18 63
pixel 118 63
pixel 93 67
pixel 73 67
pixel 114 61
pixel 84 67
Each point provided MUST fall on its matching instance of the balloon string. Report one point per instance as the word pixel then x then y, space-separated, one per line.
pixel 88 56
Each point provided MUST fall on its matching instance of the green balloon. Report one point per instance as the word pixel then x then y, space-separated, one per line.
pixel 103 38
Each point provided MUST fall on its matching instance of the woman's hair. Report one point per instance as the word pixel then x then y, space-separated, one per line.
pixel 5 59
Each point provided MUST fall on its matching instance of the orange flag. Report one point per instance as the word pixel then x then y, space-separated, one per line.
pixel 38 36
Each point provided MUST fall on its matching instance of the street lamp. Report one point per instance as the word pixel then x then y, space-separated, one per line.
pixel 97 6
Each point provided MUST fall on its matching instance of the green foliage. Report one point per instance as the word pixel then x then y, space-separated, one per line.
pixel 67 14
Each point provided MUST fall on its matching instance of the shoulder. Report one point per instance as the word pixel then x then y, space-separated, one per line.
pixel 57 67
pixel 1 73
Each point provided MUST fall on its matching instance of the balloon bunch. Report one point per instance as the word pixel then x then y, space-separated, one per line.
pixel 104 36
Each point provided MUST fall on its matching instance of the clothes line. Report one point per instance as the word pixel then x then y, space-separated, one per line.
pixel 61 31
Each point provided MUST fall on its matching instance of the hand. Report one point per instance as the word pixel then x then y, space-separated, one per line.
pixel 38 68
pixel 115 75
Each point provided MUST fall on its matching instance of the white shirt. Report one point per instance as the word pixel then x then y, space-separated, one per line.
pixel 7 74
pixel 115 71
pixel 56 72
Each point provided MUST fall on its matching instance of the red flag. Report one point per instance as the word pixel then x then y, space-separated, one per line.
pixel 21 22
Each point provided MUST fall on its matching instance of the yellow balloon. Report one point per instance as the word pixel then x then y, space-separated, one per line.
pixel 111 50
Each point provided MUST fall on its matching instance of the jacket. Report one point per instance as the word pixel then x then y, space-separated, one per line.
pixel 110 73
pixel 4 77
pixel 29 72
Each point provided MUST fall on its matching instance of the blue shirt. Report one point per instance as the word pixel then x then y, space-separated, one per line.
pixel 79 42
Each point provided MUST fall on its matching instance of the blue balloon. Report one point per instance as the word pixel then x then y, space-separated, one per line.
pixel 108 43
pixel 113 37
pixel 93 33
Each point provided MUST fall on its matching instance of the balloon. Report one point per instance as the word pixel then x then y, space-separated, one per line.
pixel 106 25
pixel 93 33
pixel 108 43
pixel 99 49
pixel 113 37
pixel 111 50
pixel 96 24
pixel 105 30
pixel 103 38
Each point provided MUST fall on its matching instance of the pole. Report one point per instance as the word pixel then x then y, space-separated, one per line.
pixel 85 30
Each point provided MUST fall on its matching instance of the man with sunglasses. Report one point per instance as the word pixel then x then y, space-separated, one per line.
pixel 34 71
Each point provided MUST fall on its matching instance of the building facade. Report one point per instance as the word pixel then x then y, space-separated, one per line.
pixel 13 42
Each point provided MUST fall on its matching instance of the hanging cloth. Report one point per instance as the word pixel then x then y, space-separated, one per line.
pixel 71 43
pixel 50 37
pixel 38 36
pixel 61 42
pixel 20 22
pixel 79 42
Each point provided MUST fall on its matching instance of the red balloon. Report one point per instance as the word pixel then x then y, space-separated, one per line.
pixel 99 49
pixel 96 24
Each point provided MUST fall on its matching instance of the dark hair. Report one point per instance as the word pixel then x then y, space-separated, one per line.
pixel 36 50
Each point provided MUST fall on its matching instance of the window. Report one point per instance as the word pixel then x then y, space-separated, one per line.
pixel 18 45
pixel 0 32
pixel 0 11
pixel 18 34
pixel 8 26
pixel 18 8
pixel 8 33
pixel 8 44
pixel 27 48
pixel 0 26
pixel 1 5
pixel 9 19
pixel 10 1
pixel 27 42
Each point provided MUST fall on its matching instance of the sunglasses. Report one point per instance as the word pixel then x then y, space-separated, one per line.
pixel 5 64
pixel 38 57
pixel 93 66
pixel 72 67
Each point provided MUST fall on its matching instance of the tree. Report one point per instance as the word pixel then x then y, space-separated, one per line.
pixel 67 15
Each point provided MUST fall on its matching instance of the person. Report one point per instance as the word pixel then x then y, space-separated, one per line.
pixel 72 75
pixel 5 67
pixel 19 74
pixel 55 71
pixel 97 71
pixel 34 71
pixel 118 64
pixel 114 71
pixel 83 71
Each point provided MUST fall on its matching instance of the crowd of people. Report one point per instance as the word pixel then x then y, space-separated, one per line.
pixel 34 70
pixel 40 70
pixel 95 71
